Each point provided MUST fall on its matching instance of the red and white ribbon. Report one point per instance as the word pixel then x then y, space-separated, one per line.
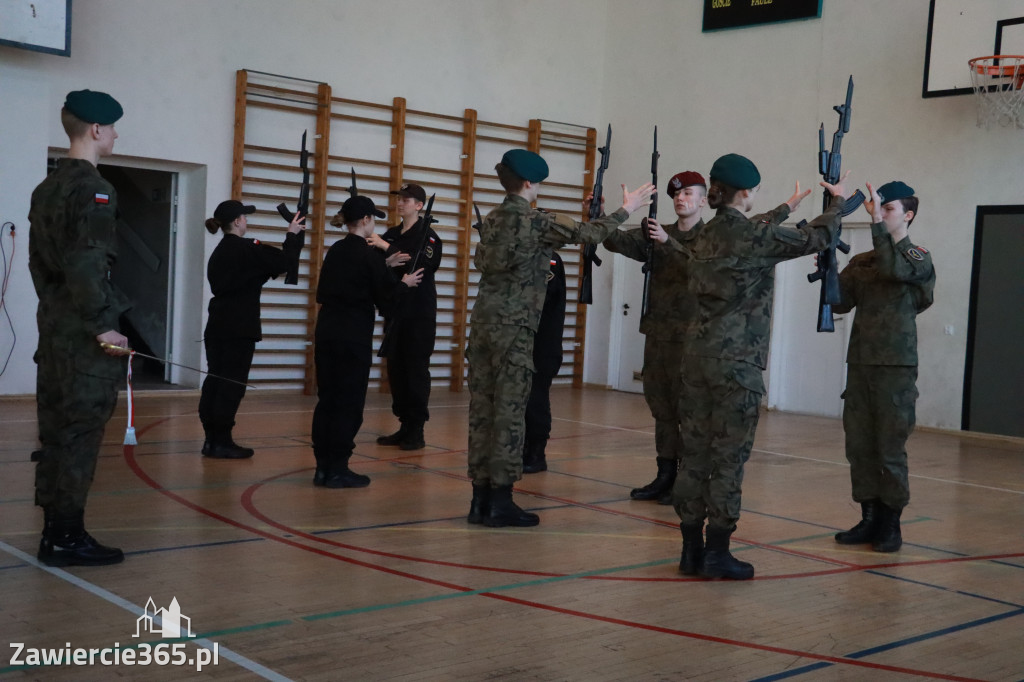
pixel 129 434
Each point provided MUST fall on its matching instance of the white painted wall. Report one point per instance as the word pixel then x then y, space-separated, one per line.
pixel 172 65
pixel 758 91
pixel 763 91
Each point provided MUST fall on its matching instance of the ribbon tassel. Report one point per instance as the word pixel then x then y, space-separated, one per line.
pixel 129 434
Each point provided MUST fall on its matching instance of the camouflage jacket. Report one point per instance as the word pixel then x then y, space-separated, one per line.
pixel 670 305
pixel 889 286
pixel 72 246
pixel 731 271
pixel 514 258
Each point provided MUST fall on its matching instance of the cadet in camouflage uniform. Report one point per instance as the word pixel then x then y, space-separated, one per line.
pixel 670 307
pixel 513 257
pixel 731 270
pixel 72 247
pixel 889 286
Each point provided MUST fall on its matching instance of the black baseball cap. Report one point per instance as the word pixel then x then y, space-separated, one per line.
pixel 228 210
pixel 412 191
pixel 356 208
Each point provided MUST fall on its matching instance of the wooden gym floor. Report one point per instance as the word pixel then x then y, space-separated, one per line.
pixel 390 582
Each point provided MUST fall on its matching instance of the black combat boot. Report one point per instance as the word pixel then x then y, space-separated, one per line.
pixel 66 543
pixel 395 438
pixel 888 538
pixel 413 439
pixel 320 474
pixel 481 504
pixel 693 547
pixel 864 531
pixel 340 476
pixel 505 512
pixel 718 562
pixel 661 484
pixel 220 445
pixel 534 458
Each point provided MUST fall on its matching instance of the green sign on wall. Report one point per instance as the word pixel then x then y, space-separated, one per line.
pixel 721 14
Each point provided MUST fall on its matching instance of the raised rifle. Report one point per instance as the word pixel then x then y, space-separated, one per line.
pixel 427 219
pixel 352 189
pixel 291 276
pixel 652 214
pixel 829 164
pixel 479 219
pixel 590 257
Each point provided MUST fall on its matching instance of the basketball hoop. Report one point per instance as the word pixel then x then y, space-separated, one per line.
pixel 998 83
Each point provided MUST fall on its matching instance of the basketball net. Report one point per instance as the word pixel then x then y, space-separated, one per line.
pixel 998 83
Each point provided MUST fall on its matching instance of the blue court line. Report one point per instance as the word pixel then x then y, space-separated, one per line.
pixel 864 653
pixel 945 589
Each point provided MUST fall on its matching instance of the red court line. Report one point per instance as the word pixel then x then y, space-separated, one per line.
pixel 129 455
pixel 250 506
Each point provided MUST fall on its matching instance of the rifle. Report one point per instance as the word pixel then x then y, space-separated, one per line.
pixel 427 219
pixel 829 163
pixel 652 214
pixel 352 189
pixel 302 208
pixel 590 257
pixel 479 219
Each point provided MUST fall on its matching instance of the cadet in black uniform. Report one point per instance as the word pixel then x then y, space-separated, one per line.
pixel 237 271
pixel 412 324
pixel 547 360
pixel 354 278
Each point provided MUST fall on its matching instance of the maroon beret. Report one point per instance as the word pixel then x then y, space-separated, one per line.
pixel 684 179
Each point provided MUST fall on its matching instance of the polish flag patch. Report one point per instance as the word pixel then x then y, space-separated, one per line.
pixel 102 198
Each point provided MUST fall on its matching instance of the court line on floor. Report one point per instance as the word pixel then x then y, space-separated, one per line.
pixel 889 646
pixel 136 610
pixel 917 476
pixel 129 457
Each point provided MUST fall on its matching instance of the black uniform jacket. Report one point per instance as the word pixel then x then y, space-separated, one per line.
pixel 353 279
pixel 421 301
pixel 547 344
pixel 237 271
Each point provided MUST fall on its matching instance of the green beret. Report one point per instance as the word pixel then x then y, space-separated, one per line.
pixel 736 171
pixel 527 165
pixel 891 191
pixel 93 107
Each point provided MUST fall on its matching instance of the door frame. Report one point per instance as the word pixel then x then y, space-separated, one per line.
pixel 972 310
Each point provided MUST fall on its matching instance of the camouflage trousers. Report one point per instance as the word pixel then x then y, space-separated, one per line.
pixel 500 374
pixel 719 404
pixel 662 359
pixel 878 417
pixel 72 409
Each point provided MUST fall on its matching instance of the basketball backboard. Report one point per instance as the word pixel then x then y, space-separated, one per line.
pixel 959 30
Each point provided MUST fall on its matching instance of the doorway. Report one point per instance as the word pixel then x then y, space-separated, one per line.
pixel 994 367
pixel 146 204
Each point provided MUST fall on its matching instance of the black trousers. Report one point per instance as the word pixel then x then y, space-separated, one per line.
pixel 342 373
pixel 538 407
pixel 409 369
pixel 219 401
